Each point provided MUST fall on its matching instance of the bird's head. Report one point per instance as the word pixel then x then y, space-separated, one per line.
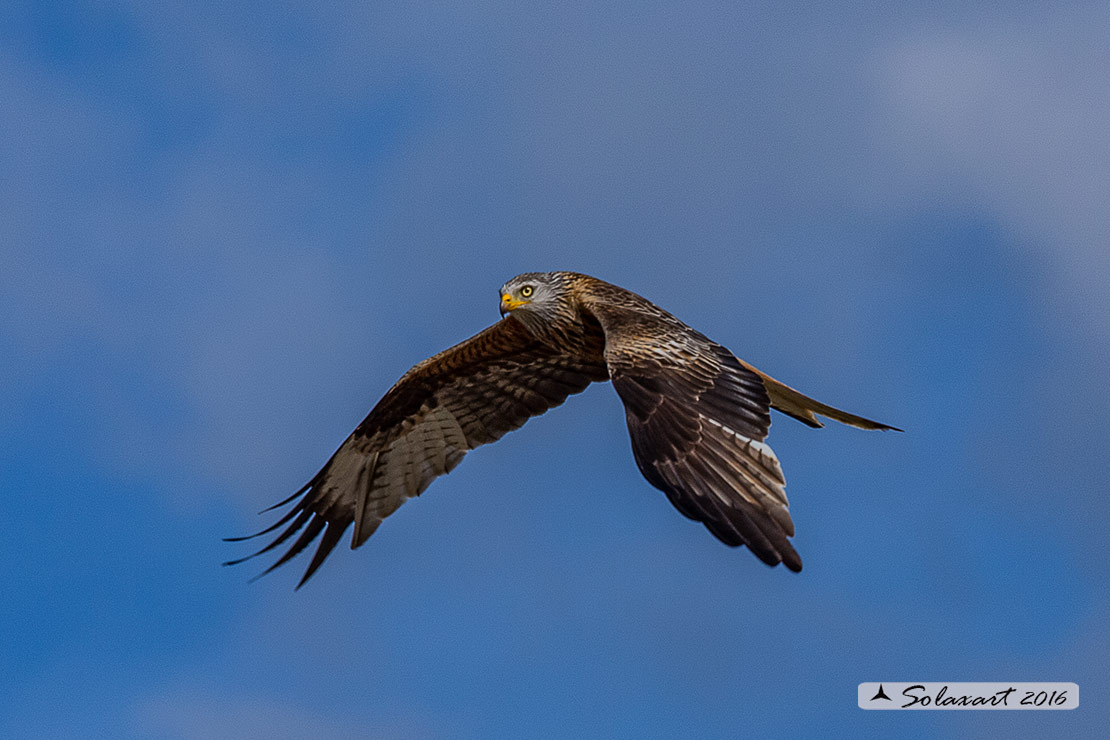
pixel 533 294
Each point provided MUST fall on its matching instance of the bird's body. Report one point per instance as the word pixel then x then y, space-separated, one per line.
pixel 697 416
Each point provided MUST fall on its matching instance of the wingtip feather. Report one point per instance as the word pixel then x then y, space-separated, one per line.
pixel 792 560
pixel 283 502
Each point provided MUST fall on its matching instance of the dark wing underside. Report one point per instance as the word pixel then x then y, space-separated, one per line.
pixel 697 418
pixel 464 397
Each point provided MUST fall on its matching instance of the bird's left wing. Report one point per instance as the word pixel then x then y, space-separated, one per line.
pixel 463 397
pixel 697 418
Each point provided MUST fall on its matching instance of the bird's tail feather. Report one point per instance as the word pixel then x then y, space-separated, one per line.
pixel 806 410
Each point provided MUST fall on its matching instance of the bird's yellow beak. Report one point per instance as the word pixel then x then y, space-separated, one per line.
pixel 509 304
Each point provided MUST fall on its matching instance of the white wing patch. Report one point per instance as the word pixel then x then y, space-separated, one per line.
pixel 762 473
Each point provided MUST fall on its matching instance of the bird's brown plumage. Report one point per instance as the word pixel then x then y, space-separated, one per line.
pixel 697 417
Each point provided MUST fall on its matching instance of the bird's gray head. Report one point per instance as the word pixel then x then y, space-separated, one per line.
pixel 533 296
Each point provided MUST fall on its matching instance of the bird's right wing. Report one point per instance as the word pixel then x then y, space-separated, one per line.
pixel 463 397
pixel 697 419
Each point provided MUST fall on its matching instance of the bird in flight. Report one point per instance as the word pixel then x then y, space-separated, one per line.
pixel 697 416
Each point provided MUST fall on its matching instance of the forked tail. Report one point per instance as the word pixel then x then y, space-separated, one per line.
pixel 806 410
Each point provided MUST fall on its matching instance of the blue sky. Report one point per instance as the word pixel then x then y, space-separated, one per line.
pixel 226 230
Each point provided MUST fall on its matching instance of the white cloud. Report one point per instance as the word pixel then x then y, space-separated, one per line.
pixel 1013 119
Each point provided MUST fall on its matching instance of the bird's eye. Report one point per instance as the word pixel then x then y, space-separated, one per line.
pixel 526 291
